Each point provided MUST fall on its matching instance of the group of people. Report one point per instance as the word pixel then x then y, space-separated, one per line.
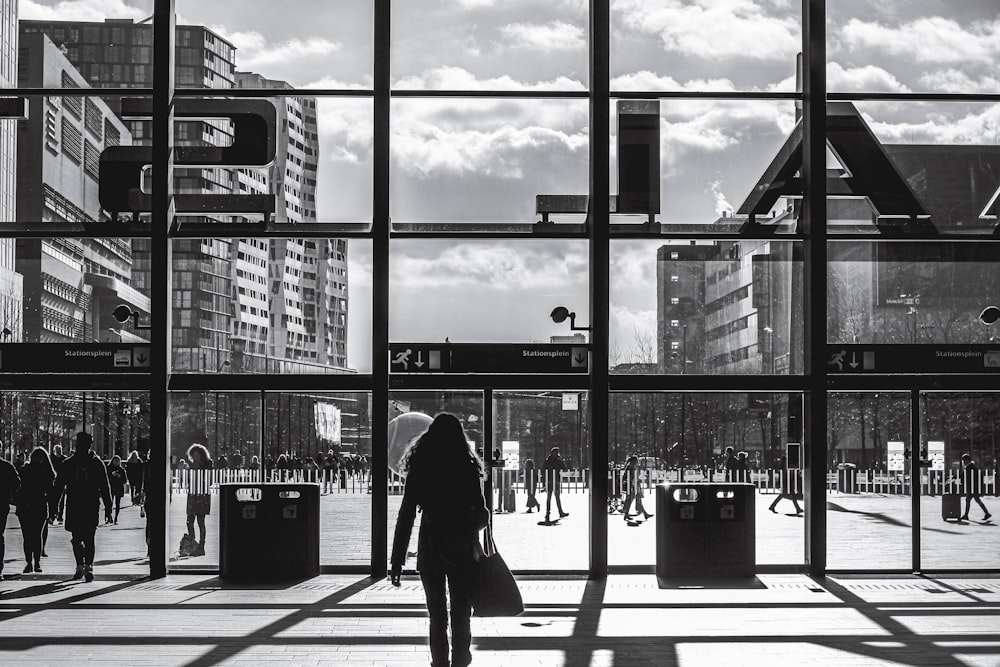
pixel 548 480
pixel 45 489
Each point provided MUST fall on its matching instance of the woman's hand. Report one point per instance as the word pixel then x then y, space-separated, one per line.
pixel 394 574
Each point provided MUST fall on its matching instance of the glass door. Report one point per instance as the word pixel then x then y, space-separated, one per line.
pixel 959 503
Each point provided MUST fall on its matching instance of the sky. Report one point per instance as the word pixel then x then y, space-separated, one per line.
pixel 484 160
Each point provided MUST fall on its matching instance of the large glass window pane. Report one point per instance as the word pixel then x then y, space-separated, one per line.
pixel 215 438
pixel 318 45
pixel 913 293
pixel 486 160
pixel 489 46
pixel 684 438
pixel 529 494
pixel 918 167
pixel 66 291
pixel 314 166
pixel 486 291
pixel 960 495
pixel 704 45
pixel 722 307
pixel 868 481
pixel 325 438
pixel 268 305
pixel 118 422
pixel 935 46
pixel 700 162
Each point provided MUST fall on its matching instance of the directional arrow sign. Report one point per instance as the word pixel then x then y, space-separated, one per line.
pixel 488 358
pixel 945 358
pixel 140 357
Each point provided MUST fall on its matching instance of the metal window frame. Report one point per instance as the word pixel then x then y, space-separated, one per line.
pixel 815 384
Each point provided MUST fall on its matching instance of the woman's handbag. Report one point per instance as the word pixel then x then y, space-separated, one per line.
pixel 494 591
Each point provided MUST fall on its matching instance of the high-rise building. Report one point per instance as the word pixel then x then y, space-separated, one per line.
pixel 71 285
pixel 11 318
pixel 307 277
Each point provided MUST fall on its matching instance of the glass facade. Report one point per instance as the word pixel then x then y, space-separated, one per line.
pixel 687 244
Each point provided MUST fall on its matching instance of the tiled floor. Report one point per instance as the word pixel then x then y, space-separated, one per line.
pixel 782 620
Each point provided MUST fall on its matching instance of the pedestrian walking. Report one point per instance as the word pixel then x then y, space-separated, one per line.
pixel 10 482
pixel 58 504
pixel 33 500
pixel 791 489
pixel 531 485
pixel 199 498
pixel 84 480
pixel 970 482
pixel 134 466
pixel 116 479
pixel 443 479
pixel 632 481
pixel 552 470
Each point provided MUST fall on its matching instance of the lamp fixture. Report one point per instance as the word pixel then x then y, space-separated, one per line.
pixel 559 315
pixel 122 313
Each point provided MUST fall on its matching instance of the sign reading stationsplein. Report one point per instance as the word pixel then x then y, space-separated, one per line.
pixel 930 358
pixel 74 358
pixel 488 358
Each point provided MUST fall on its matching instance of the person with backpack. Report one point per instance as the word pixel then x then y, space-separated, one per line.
pixel 443 479
pixel 84 480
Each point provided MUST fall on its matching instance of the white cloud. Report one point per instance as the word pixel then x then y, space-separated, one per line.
pixel 954 81
pixel 977 128
pixel 506 152
pixel 253 51
pixel 722 205
pixel 332 83
pixel 549 268
pixel 715 29
pixel 497 138
pixel 546 37
pixel 345 128
pixel 80 10
pixel 867 79
pixel 646 80
pixel 457 78
pixel 928 40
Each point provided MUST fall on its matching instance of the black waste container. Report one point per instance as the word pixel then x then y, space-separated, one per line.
pixel 705 530
pixel 268 531
pixel 847 480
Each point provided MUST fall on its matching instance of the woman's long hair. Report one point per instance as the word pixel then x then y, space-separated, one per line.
pixel 441 453
pixel 204 459
pixel 41 464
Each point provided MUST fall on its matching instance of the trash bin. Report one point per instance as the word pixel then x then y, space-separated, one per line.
pixel 847 479
pixel 268 531
pixel 705 529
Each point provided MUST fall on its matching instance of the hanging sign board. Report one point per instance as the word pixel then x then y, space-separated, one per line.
pixel 571 401
pixel 511 454
pixel 895 453
pixel 935 453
